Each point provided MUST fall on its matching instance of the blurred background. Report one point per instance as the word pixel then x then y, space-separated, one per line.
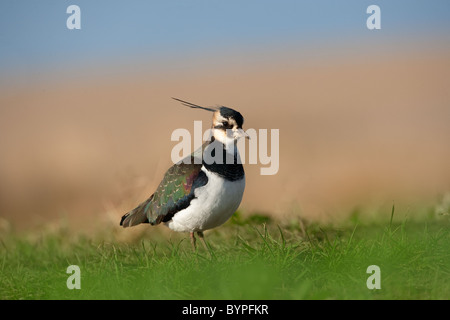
pixel 86 115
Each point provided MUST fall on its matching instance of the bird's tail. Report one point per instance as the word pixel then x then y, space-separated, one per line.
pixel 138 215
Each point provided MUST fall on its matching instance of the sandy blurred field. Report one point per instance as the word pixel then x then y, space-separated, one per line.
pixel 354 131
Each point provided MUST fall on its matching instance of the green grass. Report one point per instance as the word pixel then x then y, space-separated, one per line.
pixel 253 258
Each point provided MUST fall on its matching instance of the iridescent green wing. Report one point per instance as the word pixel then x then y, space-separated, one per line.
pixel 173 194
pixel 175 191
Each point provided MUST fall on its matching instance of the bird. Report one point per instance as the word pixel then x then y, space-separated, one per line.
pixel 203 190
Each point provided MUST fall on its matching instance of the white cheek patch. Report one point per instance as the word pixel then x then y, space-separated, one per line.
pixel 221 136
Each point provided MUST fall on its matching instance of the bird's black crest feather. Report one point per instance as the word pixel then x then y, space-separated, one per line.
pixel 195 106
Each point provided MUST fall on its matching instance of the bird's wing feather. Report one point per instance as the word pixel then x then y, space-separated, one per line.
pixel 175 191
pixel 173 194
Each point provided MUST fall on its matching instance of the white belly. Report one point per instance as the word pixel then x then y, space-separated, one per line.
pixel 212 206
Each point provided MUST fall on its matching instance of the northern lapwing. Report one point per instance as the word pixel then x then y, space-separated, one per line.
pixel 197 194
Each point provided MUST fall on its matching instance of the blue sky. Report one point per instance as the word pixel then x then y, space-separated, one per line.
pixel 33 34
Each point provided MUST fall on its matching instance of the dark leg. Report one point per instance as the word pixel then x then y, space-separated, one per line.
pixel 193 241
pixel 200 234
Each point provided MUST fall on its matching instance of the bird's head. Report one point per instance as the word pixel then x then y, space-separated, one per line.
pixel 226 123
